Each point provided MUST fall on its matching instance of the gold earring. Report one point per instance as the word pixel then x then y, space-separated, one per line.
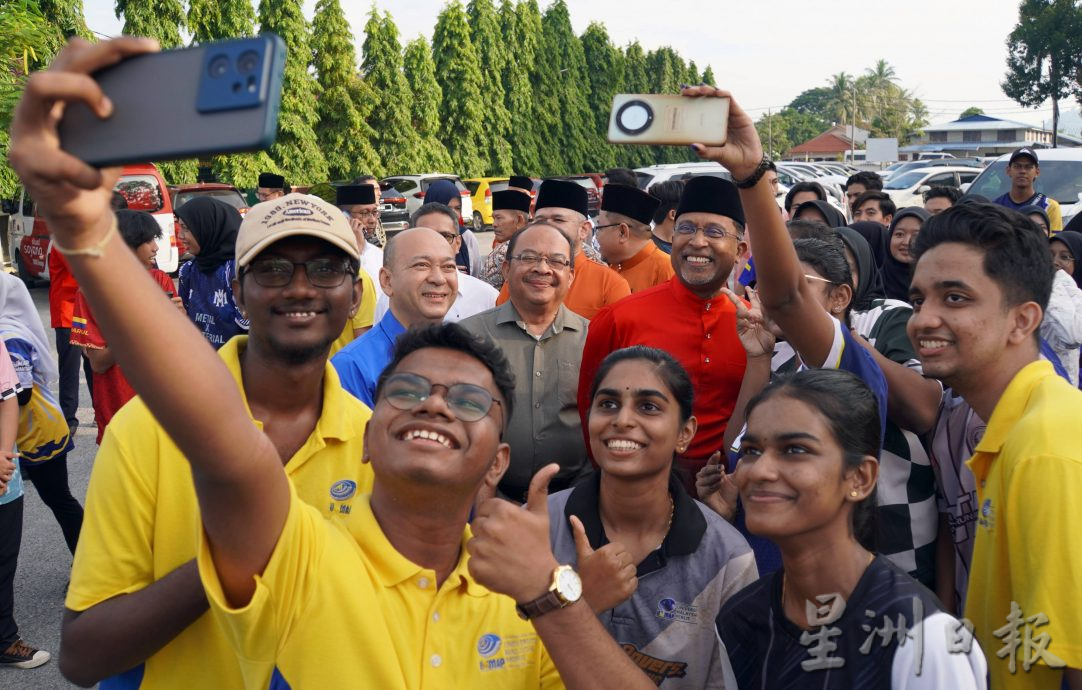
pixel 854 494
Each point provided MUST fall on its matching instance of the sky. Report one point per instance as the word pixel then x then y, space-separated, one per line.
pixel 950 53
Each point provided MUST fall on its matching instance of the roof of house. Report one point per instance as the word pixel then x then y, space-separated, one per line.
pixel 824 143
pixel 980 122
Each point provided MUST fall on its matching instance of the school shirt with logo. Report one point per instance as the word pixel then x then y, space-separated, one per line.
pixel 1028 468
pixel 667 627
pixel 208 299
pixel 10 387
pixel 142 521
pixel 338 607
pixel 43 431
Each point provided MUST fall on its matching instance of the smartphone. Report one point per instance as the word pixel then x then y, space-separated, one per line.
pixel 210 99
pixel 677 120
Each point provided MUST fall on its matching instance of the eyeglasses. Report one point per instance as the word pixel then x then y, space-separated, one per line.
pixel 1063 257
pixel 528 260
pixel 322 273
pixel 264 196
pixel 712 232
pixel 361 215
pixel 449 236
pixel 607 225
pixel 468 403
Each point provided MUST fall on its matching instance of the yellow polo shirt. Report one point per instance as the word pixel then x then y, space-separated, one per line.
pixel 1028 468
pixel 142 520
pixel 365 316
pixel 338 607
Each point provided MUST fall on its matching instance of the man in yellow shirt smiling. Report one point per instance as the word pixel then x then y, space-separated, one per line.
pixel 981 282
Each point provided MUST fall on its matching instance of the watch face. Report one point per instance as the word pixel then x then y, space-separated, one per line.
pixel 568 585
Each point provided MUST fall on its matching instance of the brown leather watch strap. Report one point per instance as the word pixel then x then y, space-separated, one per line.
pixel 549 601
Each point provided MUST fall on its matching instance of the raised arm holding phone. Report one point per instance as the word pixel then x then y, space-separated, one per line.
pixel 318 584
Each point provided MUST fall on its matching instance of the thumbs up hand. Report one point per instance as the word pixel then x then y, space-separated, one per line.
pixel 510 551
pixel 609 576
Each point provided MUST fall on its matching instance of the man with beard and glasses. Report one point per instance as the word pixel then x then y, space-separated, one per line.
pixel 691 316
pixel 136 611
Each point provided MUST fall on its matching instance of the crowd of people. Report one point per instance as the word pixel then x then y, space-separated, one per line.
pixel 700 441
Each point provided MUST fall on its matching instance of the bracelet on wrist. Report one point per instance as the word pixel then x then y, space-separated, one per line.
pixel 96 250
pixel 753 179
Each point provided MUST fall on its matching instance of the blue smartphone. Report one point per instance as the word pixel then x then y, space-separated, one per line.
pixel 210 99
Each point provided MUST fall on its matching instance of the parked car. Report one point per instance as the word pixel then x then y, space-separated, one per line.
pixel 413 188
pixel 1060 179
pixel 393 215
pixel 907 188
pixel 652 174
pixel 481 189
pixel 906 166
pixel 141 185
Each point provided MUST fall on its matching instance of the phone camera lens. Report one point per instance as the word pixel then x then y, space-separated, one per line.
pixel 218 66
pixel 248 62
pixel 634 117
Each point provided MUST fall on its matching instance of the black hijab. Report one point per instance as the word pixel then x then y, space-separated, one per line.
pixel 1073 240
pixel 870 282
pixel 898 275
pixel 214 224
pixel 894 274
pixel 833 216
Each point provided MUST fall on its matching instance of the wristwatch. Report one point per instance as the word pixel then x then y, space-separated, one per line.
pixel 566 589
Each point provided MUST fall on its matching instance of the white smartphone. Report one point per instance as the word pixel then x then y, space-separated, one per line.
pixel 678 120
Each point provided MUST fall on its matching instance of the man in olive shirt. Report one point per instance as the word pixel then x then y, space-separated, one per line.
pixel 543 341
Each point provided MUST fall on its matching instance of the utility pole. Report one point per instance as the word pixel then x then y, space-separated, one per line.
pixel 853 130
pixel 770 132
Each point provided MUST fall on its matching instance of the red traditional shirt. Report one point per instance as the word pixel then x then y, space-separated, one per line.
pixel 700 334
pixel 649 267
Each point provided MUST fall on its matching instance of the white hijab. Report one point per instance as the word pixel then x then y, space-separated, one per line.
pixel 19 318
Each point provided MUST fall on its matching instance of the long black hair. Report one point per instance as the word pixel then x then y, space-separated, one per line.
pixel 828 260
pixel 852 413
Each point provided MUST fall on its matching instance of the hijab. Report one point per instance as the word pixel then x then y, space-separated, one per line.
pixel 1027 211
pixel 896 274
pixel 19 318
pixel 441 192
pixel 834 217
pixel 214 224
pixel 1073 240
pixel 870 282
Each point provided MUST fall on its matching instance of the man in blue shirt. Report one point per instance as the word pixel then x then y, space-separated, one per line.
pixel 420 279
pixel 1024 169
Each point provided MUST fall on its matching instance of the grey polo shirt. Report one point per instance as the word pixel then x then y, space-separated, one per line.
pixel 545 427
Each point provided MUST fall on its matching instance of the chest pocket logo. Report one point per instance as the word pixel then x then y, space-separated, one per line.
pixel 343 489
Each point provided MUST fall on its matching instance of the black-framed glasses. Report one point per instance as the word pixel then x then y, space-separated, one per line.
pixel 367 213
pixel 530 260
pixel 468 403
pixel 713 232
pixel 321 272
pixel 606 225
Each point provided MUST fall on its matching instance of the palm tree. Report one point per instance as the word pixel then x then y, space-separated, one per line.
pixel 840 102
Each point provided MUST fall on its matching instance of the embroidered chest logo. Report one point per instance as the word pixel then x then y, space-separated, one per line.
pixel 219 298
pixel 672 610
pixel 503 653
pixel 987 520
pixel 342 490
pixel 658 670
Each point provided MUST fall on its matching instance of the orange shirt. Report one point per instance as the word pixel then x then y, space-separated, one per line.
pixel 594 288
pixel 649 267
pixel 62 289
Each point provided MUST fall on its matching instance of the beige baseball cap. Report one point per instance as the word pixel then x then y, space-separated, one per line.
pixel 289 216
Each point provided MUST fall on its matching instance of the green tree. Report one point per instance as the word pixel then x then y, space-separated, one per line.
pixel 214 20
pixel 67 16
pixel 163 20
pixel 693 76
pixel 28 40
pixel 606 74
pixel 458 72
pixel 562 95
pixel 296 153
pixel 425 105
pixel 636 80
pixel 492 54
pixel 667 73
pixel 521 27
pixel 815 101
pixel 343 135
pixel 398 145
pixel 1042 55
pixel 708 76
pixel 971 111
pixel 774 133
